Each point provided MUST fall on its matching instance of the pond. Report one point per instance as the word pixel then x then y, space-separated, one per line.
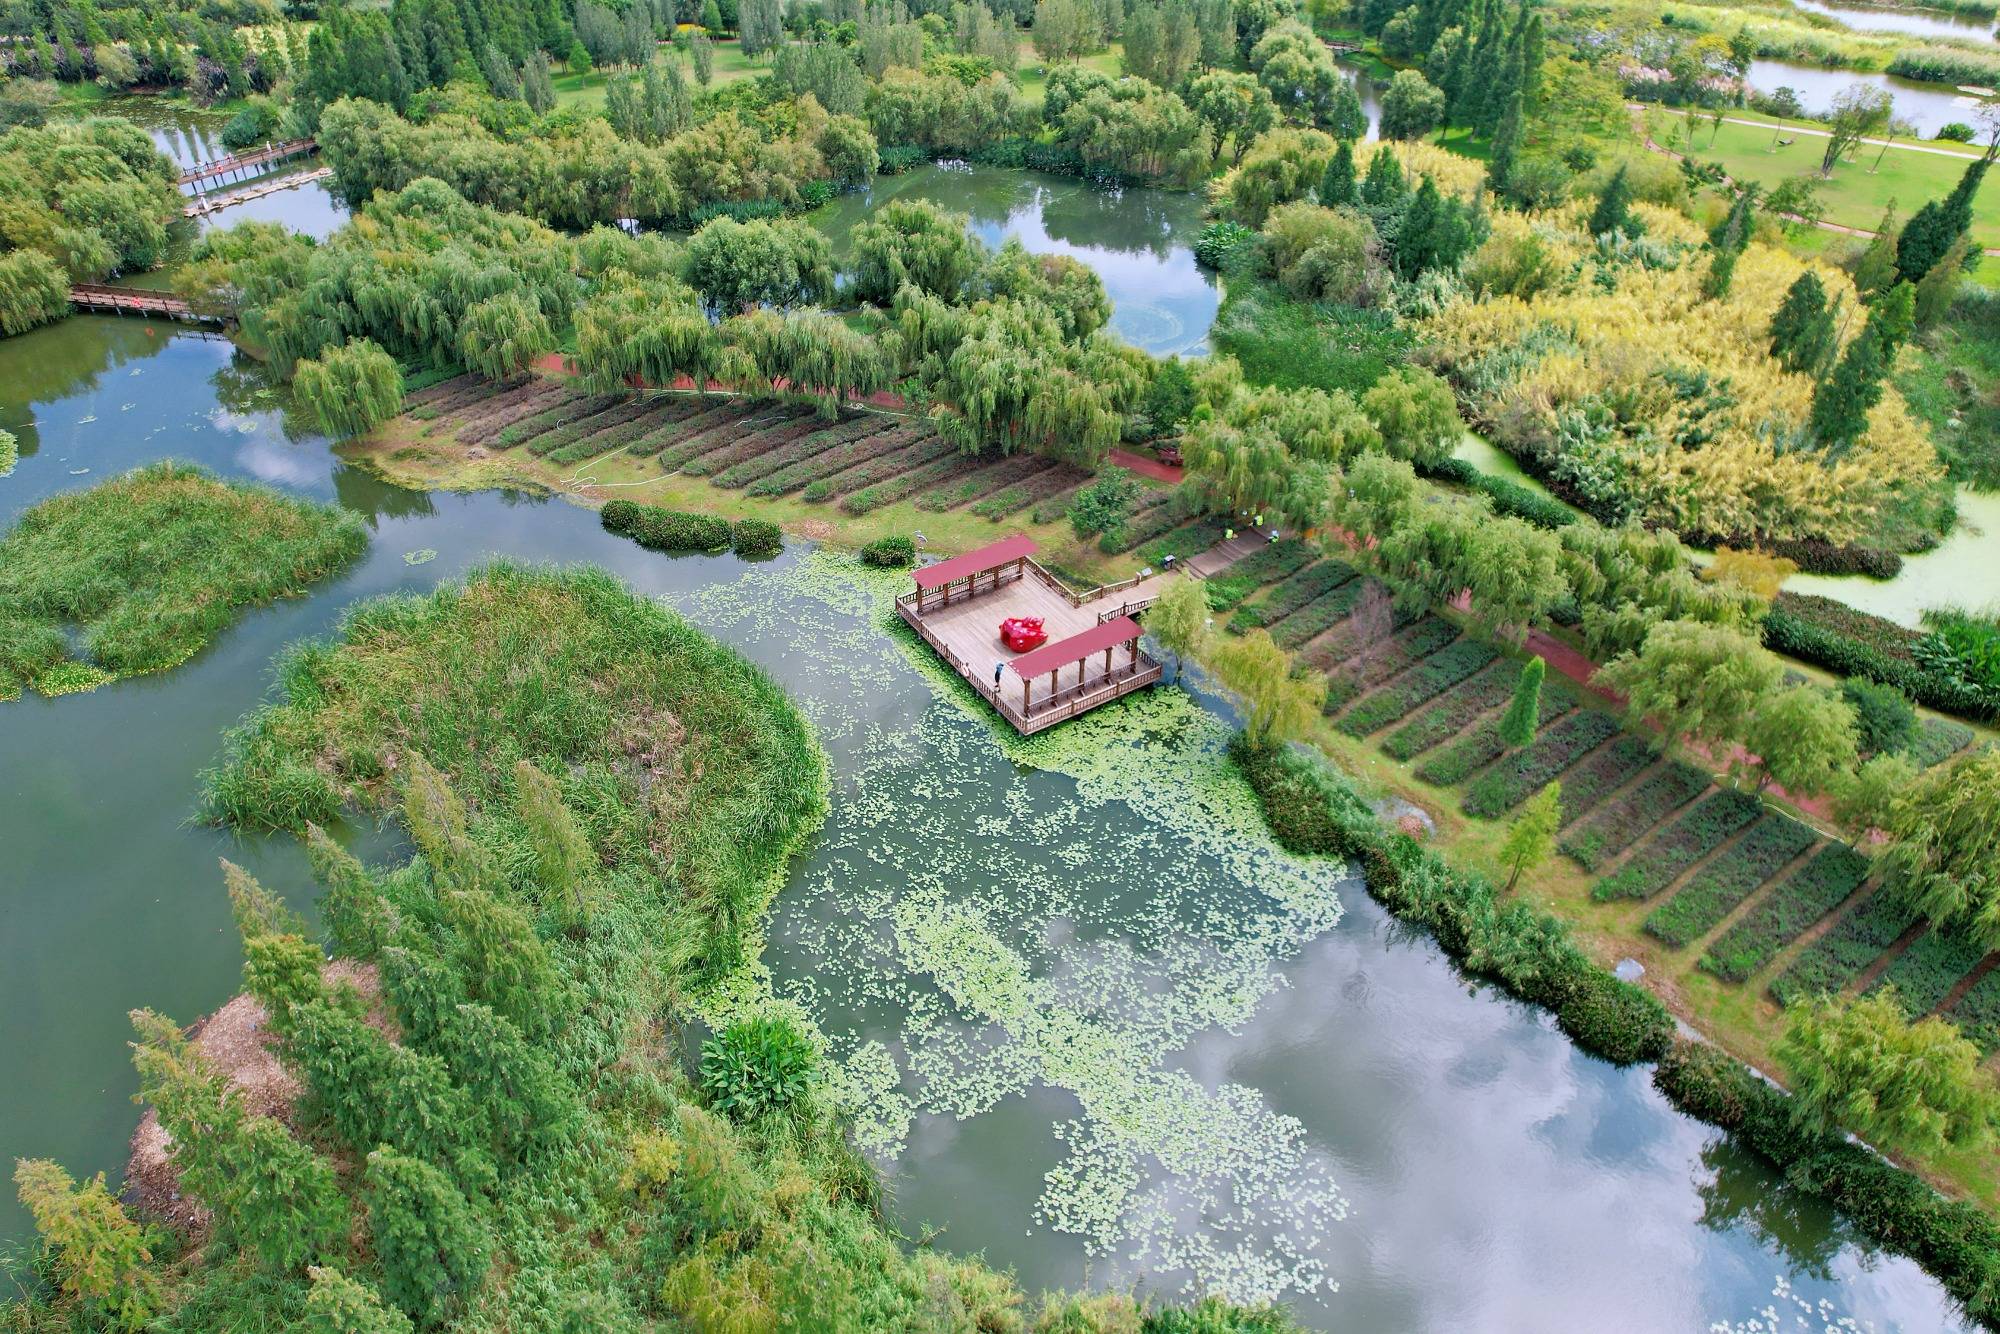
pixel 1918 22
pixel 1232 1066
pixel 1927 106
pixel 1935 578
pixel 1139 241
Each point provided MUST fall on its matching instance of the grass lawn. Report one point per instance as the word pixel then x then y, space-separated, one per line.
pixel 1860 188
pixel 587 91
pixel 1032 72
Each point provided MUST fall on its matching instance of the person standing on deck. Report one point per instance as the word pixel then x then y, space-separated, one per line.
pixel 998 668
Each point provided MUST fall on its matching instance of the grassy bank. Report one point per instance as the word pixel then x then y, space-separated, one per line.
pixel 150 567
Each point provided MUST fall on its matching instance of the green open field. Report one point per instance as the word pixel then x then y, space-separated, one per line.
pixel 587 91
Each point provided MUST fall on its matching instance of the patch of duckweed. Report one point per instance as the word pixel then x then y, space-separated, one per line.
pixel 421 556
pixel 70 677
pixel 987 915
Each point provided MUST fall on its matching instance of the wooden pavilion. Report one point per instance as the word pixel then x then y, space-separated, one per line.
pixel 958 604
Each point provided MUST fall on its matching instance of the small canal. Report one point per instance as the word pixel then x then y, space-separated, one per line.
pixel 1236 1070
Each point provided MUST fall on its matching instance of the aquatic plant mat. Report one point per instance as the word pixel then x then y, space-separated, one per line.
pixel 988 918
pixel 150 567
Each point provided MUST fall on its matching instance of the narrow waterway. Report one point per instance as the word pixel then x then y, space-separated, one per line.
pixel 1915 22
pixel 1926 106
pixel 1235 1068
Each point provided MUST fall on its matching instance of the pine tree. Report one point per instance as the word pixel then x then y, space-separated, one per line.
pixel 1506 146
pixel 429 1243
pixel 1614 207
pixel 1877 267
pixel 1385 185
pixel 99 1255
pixel 1728 239
pixel 503 960
pixel 1532 835
pixel 1517 726
pixel 563 855
pixel 280 966
pixel 1841 406
pixel 1805 301
pixel 1338 187
pixel 1940 285
pixel 359 921
pixel 1929 234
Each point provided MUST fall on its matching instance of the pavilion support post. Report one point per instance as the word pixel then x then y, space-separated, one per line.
pixel 1027 687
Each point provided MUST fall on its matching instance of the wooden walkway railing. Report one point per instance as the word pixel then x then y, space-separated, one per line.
pixel 98 298
pixel 203 204
pixel 248 162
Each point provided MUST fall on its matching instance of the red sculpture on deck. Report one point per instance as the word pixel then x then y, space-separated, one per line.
pixel 1021 633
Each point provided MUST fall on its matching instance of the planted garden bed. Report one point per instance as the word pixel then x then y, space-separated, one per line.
pixel 1372 668
pixel 1924 974
pixel 817 467
pixel 1680 845
pixel 1938 739
pixel 1299 588
pixel 718 432
pixel 612 437
pixel 1053 508
pixel 1732 877
pixel 796 451
pixel 792 425
pixel 1453 712
pixel 1278 560
pixel 476 424
pixel 1481 746
pixel 548 442
pixel 995 475
pixel 695 417
pixel 1363 631
pixel 1784 914
pixel 1185 542
pixel 924 450
pixel 1621 823
pixel 1978 1012
pixel 1421 684
pixel 1586 787
pixel 1839 956
pixel 895 488
pixel 443 389
pixel 1522 775
pixel 534 424
pixel 1157 512
pixel 1060 481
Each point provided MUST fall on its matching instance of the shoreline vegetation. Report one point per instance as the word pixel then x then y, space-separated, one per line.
pixel 150 568
pixel 493 1122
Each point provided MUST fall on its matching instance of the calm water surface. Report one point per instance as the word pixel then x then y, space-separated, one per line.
pixel 1918 22
pixel 1927 106
pixel 1235 1065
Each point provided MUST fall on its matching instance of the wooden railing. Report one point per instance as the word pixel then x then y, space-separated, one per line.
pixel 236 162
pixel 1057 707
pixel 136 301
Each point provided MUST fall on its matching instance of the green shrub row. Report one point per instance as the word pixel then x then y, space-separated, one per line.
pixel 1529 770
pixel 1335 649
pixel 1833 635
pixel 1730 878
pixel 1052 508
pixel 1183 543
pixel 998 475
pixel 1423 683
pixel 817 467
pixel 1155 513
pixel 1322 614
pixel 617 414
pixel 1680 845
pixel 715 432
pixel 1482 745
pixel 1454 712
pixel 894 488
pixel 1295 591
pixel 805 446
pixel 1057 481
pixel 754 444
pixel 1783 915
pixel 619 436
pixel 1275 561
pixel 1924 974
pixel 1956 1241
pixel 422 385
pixel 917 454
pixel 563 413
pixel 1508 496
pixel 1620 824
pixel 685 418
pixel 1357 673
pixel 755 537
pixel 479 428
pixel 1586 787
pixel 1978 1012
pixel 1938 739
pixel 1529 953
pixel 1838 957
pixel 665 529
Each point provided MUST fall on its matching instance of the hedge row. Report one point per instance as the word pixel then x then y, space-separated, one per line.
pixel 1783 915
pixel 1508 497
pixel 894 488
pixel 1454 712
pixel 527 428
pixel 838 459
pixel 1978 1012
pixel 1051 508
pixel 1730 878
pixel 1155 513
pixel 1377 664
pixel 479 428
pixel 1530 954
pixel 1620 824
pixel 429 385
pixel 1529 770
pixel 665 529
pixel 1680 845
pixel 1421 684
pixel 1182 543
pixel 1586 787
pixel 915 454
pixel 1059 480
pixel 757 440
pixel 1924 974
pixel 1274 561
pixel 1324 613
pixel 1839 638
pixel 612 437
pixel 698 418
pixel 616 415
pixel 1482 745
pixel 1855 941
pixel 715 433
pixel 1957 1242
pixel 810 445
pixel 1361 633
pixel 1297 589
pixel 997 474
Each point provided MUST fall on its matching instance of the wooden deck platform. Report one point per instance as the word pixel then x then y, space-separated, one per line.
pixel 100 299
pixel 962 623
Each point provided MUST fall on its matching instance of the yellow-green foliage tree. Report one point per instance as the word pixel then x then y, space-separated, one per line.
pixel 350 389
pixel 1609 370
pixel 1279 703
pixel 1943 854
pixel 99 1255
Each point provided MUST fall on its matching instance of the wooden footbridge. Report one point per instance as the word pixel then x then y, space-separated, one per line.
pixel 204 204
pixel 245 164
pixel 98 299
pixel 958 604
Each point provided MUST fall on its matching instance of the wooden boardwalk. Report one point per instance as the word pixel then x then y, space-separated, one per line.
pixel 203 204
pixel 100 299
pixel 245 163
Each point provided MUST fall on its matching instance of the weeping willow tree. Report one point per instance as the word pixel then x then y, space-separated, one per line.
pixel 92 197
pixel 350 389
pixel 33 291
pixel 810 352
pixel 651 329
pixel 1274 450
pixel 501 336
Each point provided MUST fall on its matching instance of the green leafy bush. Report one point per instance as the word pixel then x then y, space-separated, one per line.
pixel 664 529
pixel 890 553
pixel 1218 243
pixel 1884 719
pixel 1924 974
pixel 757 1066
pixel 1103 506
pixel 1835 636
pixel 756 537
